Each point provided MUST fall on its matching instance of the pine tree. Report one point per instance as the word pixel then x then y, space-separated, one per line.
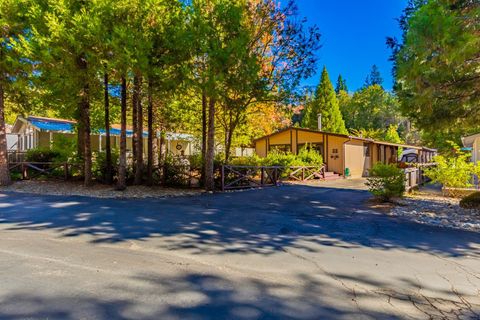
pixel 341 84
pixel 374 78
pixel 325 103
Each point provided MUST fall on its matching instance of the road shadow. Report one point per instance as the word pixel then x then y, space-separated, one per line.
pixel 193 296
pixel 255 221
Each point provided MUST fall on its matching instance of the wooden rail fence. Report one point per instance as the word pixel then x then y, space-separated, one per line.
pixel 30 170
pixel 242 177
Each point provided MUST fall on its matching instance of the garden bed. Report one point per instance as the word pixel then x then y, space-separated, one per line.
pixel 76 188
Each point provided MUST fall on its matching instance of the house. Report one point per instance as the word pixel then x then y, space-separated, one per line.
pixel 36 132
pixel 473 142
pixel 341 153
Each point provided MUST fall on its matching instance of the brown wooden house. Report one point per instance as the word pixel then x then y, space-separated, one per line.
pixel 340 152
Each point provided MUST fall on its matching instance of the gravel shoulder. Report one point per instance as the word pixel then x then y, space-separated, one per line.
pixel 76 188
pixel 433 209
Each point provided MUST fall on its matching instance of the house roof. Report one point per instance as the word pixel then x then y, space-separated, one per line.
pixel 469 140
pixel 68 126
pixel 348 137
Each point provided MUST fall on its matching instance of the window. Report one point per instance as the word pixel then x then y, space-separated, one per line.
pixel 334 150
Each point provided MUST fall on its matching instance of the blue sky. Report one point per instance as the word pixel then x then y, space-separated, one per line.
pixel 353 37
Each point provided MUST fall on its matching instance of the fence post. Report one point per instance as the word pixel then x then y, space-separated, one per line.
pixel 261 176
pixel 303 173
pixel 223 177
pixel 24 171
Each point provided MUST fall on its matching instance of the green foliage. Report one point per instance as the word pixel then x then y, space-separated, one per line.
pixel 99 168
pixel 386 181
pixel 374 78
pixel 281 159
pixel 471 201
pixel 325 103
pixel 310 157
pixel 341 85
pixel 371 108
pixel 42 155
pixel 436 64
pixel 253 160
pixel 392 134
pixel 454 171
pixel 65 146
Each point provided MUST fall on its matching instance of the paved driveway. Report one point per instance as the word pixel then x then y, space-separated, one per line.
pixel 293 252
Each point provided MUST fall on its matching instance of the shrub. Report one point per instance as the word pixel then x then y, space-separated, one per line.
pixel 246 161
pixel 471 201
pixel 100 164
pixel 176 171
pixel 386 181
pixel 42 155
pixel 453 172
pixel 66 147
pixel 282 160
pixel 310 157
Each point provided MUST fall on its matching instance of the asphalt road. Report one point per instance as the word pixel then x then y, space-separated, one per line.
pixel 293 252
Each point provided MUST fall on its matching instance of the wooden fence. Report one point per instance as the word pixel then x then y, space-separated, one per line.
pixel 31 170
pixel 242 177
pixel 415 177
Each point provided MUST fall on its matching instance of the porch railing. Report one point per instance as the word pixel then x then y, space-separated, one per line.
pixel 415 176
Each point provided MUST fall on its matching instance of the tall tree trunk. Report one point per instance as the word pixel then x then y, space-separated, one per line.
pixel 204 134
pixel 228 144
pixel 108 147
pixel 150 134
pixel 139 134
pixel 122 167
pixel 134 120
pixel 209 161
pixel 85 121
pixel 80 136
pixel 4 172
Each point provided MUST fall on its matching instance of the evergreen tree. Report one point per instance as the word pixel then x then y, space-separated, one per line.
pixel 374 78
pixel 341 84
pixel 325 103
pixel 437 66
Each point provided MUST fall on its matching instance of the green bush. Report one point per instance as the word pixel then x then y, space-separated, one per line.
pixel 453 172
pixel 386 181
pixel 310 157
pixel 99 166
pixel 471 201
pixel 66 147
pixel 42 155
pixel 282 160
pixel 246 161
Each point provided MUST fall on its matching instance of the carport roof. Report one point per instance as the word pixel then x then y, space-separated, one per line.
pixel 469 140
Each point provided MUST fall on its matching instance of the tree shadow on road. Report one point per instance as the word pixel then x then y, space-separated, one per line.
pixel 256 221
pixel 194 296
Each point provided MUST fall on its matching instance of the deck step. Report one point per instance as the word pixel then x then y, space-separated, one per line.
pixel 332 176
pixel 330 173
